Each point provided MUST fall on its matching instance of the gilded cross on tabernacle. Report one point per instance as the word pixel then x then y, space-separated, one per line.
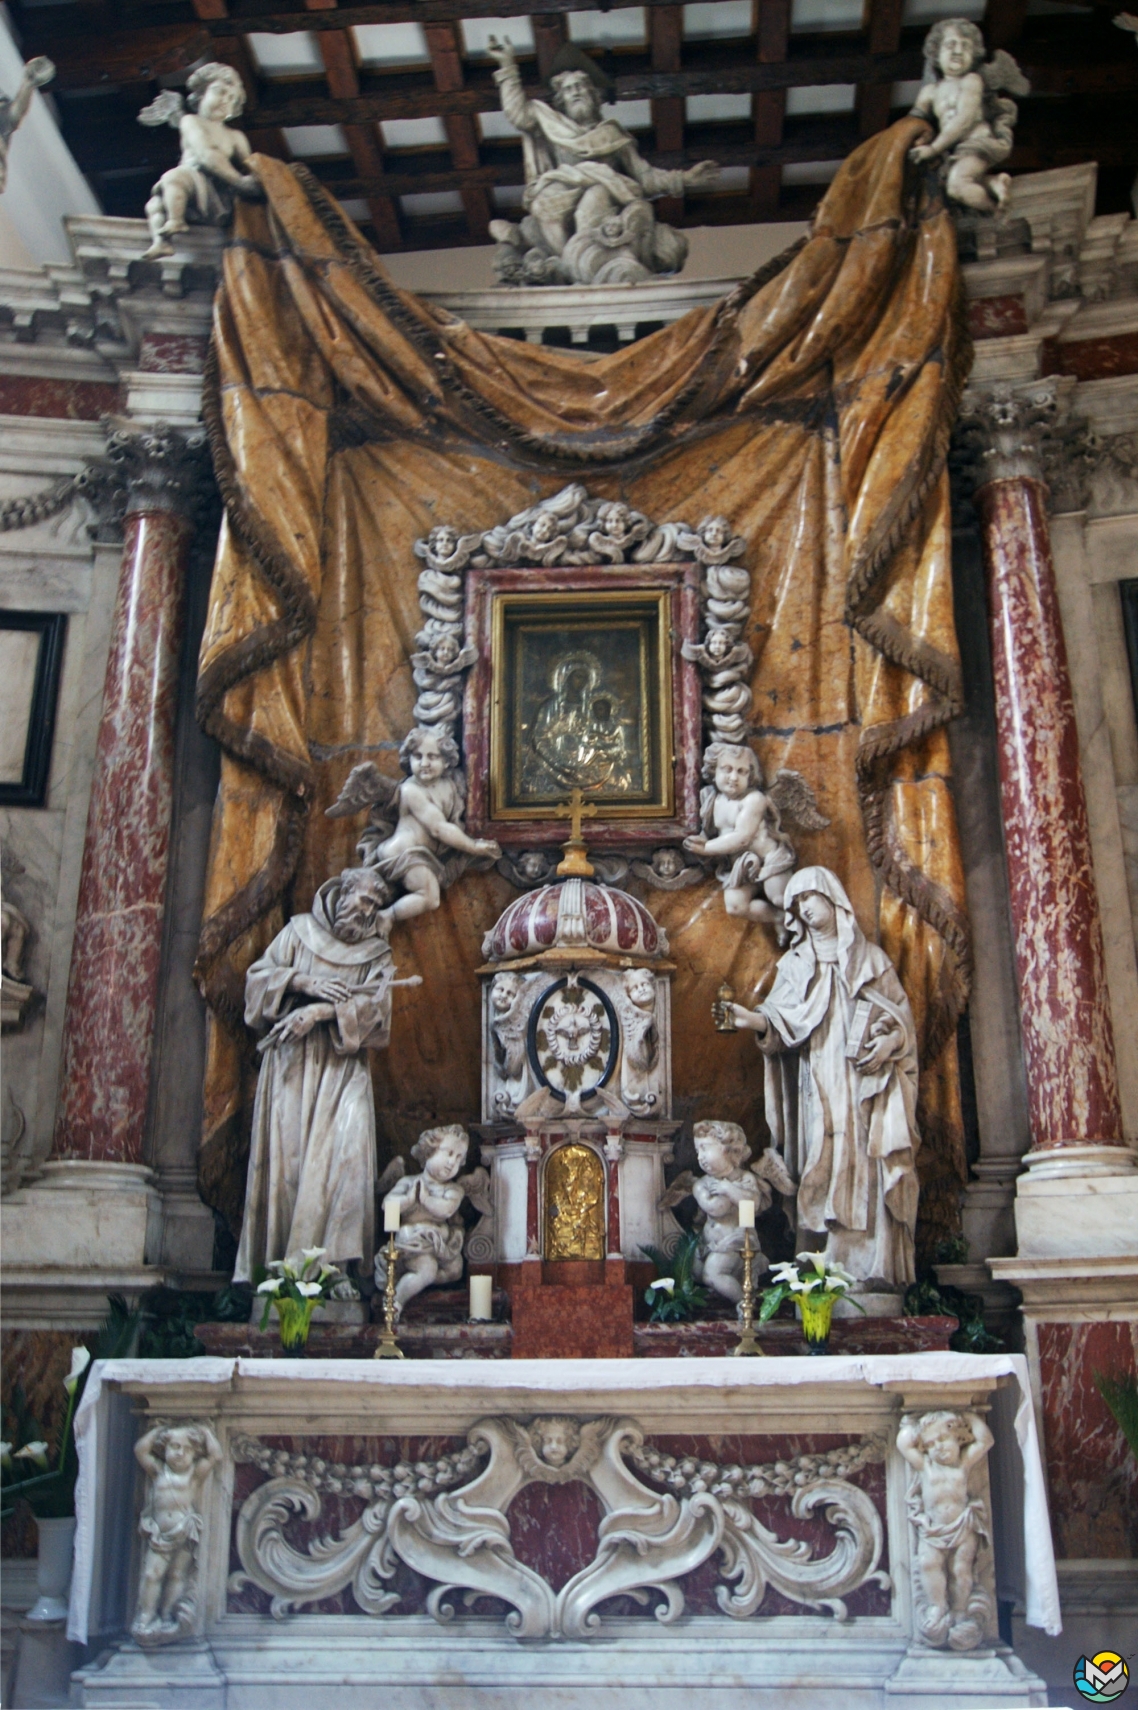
pixel 575 810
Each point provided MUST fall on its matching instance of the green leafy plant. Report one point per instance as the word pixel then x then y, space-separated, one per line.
pixel 295 1294
pixel 169 1317
pixel 675 1295
pixel 926 1298
pixel 26 1468
pixel 1121 1396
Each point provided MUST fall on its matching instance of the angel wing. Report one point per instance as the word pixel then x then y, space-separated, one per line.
pixel 796 801
pixel 1126 21
pixel 476 1186
pixel 394 1172
pixel 678 1190
pixel 1002 72
pixel 769 1167
pixel 365 786
pixel 165 109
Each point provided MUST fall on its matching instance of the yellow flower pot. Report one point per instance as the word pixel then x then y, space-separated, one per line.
pixel 816 1309
pixel 294 1317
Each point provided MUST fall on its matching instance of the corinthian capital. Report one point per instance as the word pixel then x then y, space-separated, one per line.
pixel 1004 431
pixel 159 467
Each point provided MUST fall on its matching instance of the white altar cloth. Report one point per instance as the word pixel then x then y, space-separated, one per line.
pixel 475 1387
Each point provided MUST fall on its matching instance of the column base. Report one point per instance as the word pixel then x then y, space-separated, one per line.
pixel 1077 1202
pixel 989 1677
pixel 74 1236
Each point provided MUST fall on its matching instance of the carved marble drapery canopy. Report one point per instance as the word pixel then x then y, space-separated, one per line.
pixel 811 408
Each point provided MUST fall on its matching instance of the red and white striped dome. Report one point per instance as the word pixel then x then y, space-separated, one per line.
pixel 574 915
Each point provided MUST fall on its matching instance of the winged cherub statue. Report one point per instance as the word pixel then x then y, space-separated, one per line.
pixel 428 1246
pixel 414 834
pixel 728 1177
pixel 742 823
pixel 211 172
pixel 974 122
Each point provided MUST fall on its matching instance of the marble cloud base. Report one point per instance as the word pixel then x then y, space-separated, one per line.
pixel 492 1535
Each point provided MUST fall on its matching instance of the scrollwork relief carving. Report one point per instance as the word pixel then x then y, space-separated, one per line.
pixel 449 1520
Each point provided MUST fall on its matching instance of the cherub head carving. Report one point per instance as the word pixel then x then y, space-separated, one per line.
pixel 429 754
pixel 640 987
pixel 952 48
pixel 442 541
pixel 555 1441
pixel 442 1151
pixel 944 1436
pixel 715 532
pixel 504 992
pixel 216 92
pixel 721 1147
pixel 733 768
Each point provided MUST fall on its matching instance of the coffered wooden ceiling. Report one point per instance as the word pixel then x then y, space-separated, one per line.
pixel 394 108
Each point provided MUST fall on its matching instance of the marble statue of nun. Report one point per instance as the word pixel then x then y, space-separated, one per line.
pixel 321 997
pixel 840 1049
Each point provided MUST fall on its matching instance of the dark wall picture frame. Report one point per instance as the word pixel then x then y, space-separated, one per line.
pixel 31 791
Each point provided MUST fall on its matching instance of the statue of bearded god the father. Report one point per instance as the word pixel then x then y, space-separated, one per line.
pixel 589 218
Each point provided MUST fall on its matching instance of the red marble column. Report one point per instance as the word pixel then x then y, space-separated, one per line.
pixel 1068 1038
pixel 113 986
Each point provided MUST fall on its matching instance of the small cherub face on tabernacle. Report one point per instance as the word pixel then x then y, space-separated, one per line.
pixel 957 53
pixel 616 520
pixel 735 773
pixel 718 644
pixel 442 541
pixel 532 864
pixel 667 863
pixel 557 1440
pixel 640 987
pixel 543 528
pixel 504 991
pixel 816 912
pixel 715 532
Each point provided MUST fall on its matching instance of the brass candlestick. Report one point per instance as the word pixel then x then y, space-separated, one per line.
pixel 747 1343
pixel 388 1348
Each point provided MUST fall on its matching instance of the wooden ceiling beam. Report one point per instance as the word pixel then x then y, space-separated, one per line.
pixel 882 24
pixel 461 128
pixel 772 40
pixel 339 58
pixel 666 38
pixel 550 32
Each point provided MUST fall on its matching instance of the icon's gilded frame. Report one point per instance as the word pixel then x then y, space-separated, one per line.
pixel 664 598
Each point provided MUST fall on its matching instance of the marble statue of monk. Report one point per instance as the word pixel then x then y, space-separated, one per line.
pixel 321 997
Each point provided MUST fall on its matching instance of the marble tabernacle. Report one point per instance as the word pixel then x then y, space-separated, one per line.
pixel 497 1533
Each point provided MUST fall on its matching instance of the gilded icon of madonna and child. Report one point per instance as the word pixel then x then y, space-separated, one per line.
pixel 582 725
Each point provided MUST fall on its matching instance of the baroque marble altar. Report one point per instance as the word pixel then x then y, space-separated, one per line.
pixel 489 1531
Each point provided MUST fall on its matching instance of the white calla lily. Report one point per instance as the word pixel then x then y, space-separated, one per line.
pixel 668 1283
pixel 36 1452
pixel 5 1454
pixel 270 1285
pixel 309 1290
pixel 80 1360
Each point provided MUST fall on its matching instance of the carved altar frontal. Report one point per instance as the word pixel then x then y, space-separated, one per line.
pixel 476 1534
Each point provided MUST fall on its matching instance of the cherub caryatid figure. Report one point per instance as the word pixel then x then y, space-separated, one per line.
pixel 589 219
pixel 840 1045
pixel 321 997
pixel 722 1150
pixel 37 74
pixel 212 171
pixel 509 1016
pixel 178 1460
pixel 429 1243
pixel 951 1523
pixel 974 122
pixel 742 829
pixel 425 848
pixel 640 1041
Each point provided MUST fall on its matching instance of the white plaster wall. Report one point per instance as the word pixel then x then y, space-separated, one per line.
pixel 44 183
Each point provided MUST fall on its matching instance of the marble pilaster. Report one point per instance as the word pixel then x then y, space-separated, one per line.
pixel 1068 1041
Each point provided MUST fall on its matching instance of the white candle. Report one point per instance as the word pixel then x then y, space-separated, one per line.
pixel 746 1214
pixel 390 1214
pixel 481 1297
